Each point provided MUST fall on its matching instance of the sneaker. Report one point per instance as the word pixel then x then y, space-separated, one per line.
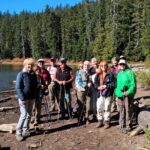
pixel 107 125
pixel 25 133
pixel 19 137
pixel 100 124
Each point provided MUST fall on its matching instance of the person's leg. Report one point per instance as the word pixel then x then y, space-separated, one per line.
pixel 62 106
pixel 51 96
pixel 128 110
pixel 107 111
pixel 93 101
pixel 100 110
pixel 38 104
pixel 68 102
pixel 88 108
pixel 114 105
pixel 81 102
pixel 29 106
pixel 121 113
pixel 21 121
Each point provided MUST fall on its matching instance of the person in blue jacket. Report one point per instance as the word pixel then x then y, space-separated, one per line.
pixel 26 85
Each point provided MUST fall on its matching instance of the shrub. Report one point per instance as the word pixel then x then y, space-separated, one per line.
pixel 147 135
pixel 143 78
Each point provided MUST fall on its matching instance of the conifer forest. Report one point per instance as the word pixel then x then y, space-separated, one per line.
pixel 101 28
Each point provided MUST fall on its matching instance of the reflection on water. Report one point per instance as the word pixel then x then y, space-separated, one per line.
pixel 8 74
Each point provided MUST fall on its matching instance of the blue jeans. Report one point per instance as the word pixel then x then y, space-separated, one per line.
pixel 25 116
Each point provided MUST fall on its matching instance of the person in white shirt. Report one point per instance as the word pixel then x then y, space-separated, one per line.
pixel 52 70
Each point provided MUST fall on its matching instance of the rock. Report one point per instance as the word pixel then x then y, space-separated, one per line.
pixel 8 127
pixel 31 146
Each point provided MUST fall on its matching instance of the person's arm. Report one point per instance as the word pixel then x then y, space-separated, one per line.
pixel 132 84
pixel 71 77
pixel 112 83
pixel 19 88
pixel 81 79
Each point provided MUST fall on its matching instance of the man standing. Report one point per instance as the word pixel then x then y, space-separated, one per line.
pixel 63 78
pixel 26 85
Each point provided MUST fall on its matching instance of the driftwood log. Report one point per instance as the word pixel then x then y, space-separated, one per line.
pixel 5 99
pixel 7 108
pixel 11 128
pixel 8 91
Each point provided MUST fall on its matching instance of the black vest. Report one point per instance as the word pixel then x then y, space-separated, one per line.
pixel 64 76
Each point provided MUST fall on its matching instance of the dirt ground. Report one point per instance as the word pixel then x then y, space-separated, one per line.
pixel 66 135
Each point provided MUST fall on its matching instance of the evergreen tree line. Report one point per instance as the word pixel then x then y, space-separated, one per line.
pixel 102 28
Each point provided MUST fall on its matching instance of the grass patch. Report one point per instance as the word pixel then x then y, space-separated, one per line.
pixel 143 78
pixel 147 135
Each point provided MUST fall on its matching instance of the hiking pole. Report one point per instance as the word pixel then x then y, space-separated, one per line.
pixel 66 98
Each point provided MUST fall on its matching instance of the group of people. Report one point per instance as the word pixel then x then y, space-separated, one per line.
pixel 100 89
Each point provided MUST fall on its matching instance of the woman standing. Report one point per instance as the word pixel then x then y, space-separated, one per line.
pixel 125 90
pixel 26 85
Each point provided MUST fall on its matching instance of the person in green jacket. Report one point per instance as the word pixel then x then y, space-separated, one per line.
pixel 125 91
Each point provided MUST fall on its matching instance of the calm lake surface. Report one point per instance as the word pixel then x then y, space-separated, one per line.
pixel 8 74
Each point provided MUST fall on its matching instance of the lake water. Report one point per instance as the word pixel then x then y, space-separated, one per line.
pixel 8 74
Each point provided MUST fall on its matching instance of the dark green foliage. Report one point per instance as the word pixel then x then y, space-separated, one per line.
pixel 101 28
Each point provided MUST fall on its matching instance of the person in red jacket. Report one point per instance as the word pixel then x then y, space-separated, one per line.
pixel 44 73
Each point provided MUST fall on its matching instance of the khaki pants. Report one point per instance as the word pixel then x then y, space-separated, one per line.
pixel 52 96
pixel 84 100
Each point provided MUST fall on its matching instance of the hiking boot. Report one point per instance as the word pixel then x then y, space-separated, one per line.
pixel 25 133
pixel 100 124
pixel 94 118
pixel 19 137
pixel 128 128
pixel 123 130
pixel 107 125
pixel 87 122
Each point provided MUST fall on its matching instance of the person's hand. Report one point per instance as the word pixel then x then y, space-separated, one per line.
pixel 60 82
pixel 89 85
pixel 102 87
pixel 125 93
pixel 63 82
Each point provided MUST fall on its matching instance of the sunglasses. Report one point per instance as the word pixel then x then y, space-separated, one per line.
pixel 103 65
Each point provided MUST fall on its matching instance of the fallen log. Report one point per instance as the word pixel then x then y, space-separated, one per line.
pixel 8 91
pixel 7 108
pixel 11 128
pixel 5 99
